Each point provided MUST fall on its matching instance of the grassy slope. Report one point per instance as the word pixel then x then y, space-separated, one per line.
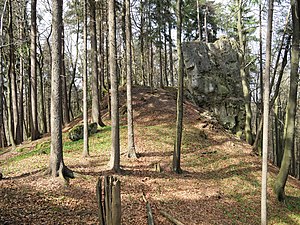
pixel 220 183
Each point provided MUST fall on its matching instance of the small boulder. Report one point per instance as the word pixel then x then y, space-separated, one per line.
pixel 76 133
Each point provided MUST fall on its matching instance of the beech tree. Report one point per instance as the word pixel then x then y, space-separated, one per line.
pixel 266 89
pixel 114 163
pixel 131 144
pixel 177 147
pixel 33 69
pixel 57 166
pixel 85 152
pixel 96 109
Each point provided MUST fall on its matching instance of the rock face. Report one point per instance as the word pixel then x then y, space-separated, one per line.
pixel 213 80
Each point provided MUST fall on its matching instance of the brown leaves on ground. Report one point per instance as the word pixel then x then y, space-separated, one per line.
pixel 220 183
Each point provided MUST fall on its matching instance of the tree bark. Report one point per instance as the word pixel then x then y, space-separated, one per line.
pixel 266 105
pixel 177 147
pixel 57 167
pixel 96 110
pixel 65 105
pixel 131 146
pixel 114 163
pixel 171 55
pixel 243 74
pixel 33 34
pixel 85 152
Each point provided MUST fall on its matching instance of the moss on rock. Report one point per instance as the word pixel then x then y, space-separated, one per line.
pixel 76 133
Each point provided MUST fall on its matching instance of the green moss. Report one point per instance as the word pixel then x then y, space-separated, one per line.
pixel 76 133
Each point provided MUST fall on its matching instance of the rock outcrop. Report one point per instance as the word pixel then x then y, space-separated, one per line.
pixel 213 79
pixel 76 133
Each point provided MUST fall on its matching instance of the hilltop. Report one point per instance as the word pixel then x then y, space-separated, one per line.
pixel 220 183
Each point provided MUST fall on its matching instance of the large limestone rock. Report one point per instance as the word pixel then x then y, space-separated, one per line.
pixel 213 79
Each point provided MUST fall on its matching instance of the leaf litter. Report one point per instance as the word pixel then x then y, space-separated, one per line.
pixel 220 183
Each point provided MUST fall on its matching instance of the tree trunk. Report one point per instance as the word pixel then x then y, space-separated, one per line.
pixel 243 74
pixel 114 163
pixel 142 43
pixel 177 147
pixel 289 132
pixel 12 119
pixel 266 105
pixel 171 55
pixel 199 21
pixel 96 110
pixel 85 152
pixel 40 63
pixel 165 57
pixel 57 167
pixel 131 145
pixel 33 34
pixel 3 140
pixel 65 105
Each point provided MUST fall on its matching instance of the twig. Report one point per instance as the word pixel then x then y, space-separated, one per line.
pixel 171 218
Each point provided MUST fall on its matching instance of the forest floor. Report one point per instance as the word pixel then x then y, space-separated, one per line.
pixel 220 183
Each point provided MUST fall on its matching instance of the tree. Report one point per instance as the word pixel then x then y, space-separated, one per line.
pixel 33 69
pixel 57 166
pixel 245 82
pixel 289 132
pixel 177 147
pixel 3 141
pixel 12 87
pixel 114 163
pixel 96 111
pixel 85 152
pixel 266 96
pixel 131 145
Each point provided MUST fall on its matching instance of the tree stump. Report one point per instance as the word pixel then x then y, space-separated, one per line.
pixel 108 192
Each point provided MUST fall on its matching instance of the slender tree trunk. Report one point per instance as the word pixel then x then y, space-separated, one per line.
pixel 199 21
pixel 22 74
pixel 165 57
pixel 96 111
pixel 243 74
pixel 12 95
pixel 107 63
pixel 161 83
pixel 142 43
pixel 177 147
pixel 65 105
pixel 57 166
pixel 2 127
pixel 278 132
pixel 289 132
pixel 42 95
pixel 171 55
pixel 84 84
pixel 131 145
pixel 74 65
pixel 34 127
pixel 260 68
pixel 266 96
pixel 115 133
pixel 10 119
pixel 205 24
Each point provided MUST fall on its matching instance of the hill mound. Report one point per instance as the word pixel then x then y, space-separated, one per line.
pixel 220 183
